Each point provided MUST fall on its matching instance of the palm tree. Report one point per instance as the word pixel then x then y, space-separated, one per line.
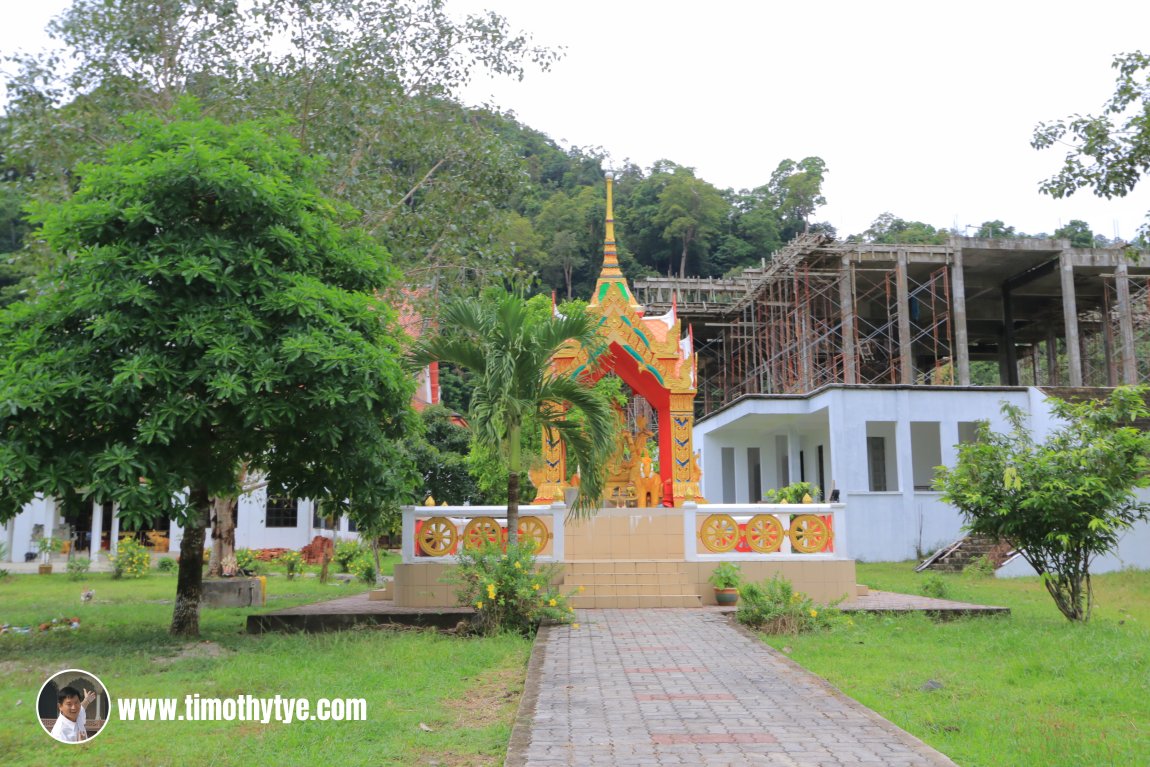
pixel 507 348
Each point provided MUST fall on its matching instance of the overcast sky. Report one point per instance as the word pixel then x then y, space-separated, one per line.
pixel 921 112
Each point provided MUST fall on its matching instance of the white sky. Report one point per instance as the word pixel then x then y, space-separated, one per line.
pixel 918 108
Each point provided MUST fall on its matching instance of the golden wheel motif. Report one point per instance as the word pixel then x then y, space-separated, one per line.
pixel 720 533
pixel 480 531
pixel 764 533
pixel 533 529
pixel 809 533
pixel 437 536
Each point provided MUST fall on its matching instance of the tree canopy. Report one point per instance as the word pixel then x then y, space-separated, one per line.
pixel 1108 153
pixel 213 310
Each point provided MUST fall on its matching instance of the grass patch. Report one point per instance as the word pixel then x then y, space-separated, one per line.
pixel 406 677
pixel 1027 689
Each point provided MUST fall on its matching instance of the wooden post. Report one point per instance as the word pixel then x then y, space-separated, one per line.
pixel 958 304
pixel 905 360
pixel 847 308
pixel 1125 325
pixel 1070 319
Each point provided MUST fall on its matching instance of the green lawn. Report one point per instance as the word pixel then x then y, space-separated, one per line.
pixel 464 690
pixel 1028 689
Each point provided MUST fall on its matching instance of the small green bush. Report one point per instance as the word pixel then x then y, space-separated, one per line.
pixel 293 563
pixel 508 590
pixel 246 562
pixel 793 493
pixel 934 586
pixel 131 559
pixel 3 556
pixel 979 567
pixel 167 565
pixel 345 553
pixel 363 567
pixel 774 607
pixel 78 568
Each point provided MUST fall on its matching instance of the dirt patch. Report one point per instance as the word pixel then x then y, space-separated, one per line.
pixel 493 698
pixel 194 651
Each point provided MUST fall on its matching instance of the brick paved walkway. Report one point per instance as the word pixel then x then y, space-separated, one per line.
pixel 646 688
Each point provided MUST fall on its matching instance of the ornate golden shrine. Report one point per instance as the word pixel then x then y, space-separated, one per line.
pixel 658 362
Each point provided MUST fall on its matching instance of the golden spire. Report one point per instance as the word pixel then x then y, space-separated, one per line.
pixel 611 274
pixel 610 257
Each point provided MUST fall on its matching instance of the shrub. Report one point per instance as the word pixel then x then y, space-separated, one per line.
pixel 934 586
pixel 508 590
pixel 774 607
pixel 292 562
pixel 246 562
pixel 3 556
pixel 363 567
pixel 979 567
pixel 345 553
pixel 78 568
pixel 793 493
pixel 167 565
pixel 131 559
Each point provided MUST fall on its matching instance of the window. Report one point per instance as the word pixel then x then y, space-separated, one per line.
pixel 967 432
pixel 926 452
pixel 728 467
pixel 882 452
pixel 754 475
pixel 876 461
pixel 282 512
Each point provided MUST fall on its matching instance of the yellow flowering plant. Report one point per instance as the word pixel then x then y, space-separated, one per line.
pixel 774 607
pixel 509 590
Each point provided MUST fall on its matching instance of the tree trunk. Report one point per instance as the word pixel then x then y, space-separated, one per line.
pixel 223 558
pixel 683 258
pixel 189 584
pixel 513 464
pixel 567 278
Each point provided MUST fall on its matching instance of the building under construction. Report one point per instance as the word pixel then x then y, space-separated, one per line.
pixel 1010 312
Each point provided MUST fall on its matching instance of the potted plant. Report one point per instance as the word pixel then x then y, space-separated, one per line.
pixel 726 579
pixel 48 546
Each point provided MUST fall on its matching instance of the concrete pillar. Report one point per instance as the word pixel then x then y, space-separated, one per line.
pixel 97 531
pixel 793 455
pixel 1009 352
pixel 1052 373
pixel 1070 319
pixel 958 310
pixel 905 360
pixel 847 308
pixel 1125 325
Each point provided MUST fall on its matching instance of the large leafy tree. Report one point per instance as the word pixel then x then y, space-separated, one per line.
pixel 691 212
pixel 889 229
pixel 797 188
pixel 1060 502
pixel 1110 152
pixel 214 311
pixel 507 349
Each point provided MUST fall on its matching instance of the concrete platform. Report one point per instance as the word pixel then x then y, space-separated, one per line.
pixel 892 602
pixel 356 610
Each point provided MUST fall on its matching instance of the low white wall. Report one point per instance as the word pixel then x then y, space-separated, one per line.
pixel 885 529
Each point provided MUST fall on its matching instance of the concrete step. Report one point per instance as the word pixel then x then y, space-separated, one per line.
pixel 637 600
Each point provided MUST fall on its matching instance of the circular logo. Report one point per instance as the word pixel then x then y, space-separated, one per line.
pixel 73 706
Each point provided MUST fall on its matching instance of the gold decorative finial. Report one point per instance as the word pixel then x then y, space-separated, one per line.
pixel 611 276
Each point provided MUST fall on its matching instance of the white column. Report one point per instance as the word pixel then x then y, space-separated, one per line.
pixel 793 455
pixel 114 535
pixel 948 436
pixel 97 531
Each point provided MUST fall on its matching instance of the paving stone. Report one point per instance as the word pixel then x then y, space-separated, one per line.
pixel 655 687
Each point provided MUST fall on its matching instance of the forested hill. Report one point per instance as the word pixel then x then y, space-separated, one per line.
pixel 459 197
